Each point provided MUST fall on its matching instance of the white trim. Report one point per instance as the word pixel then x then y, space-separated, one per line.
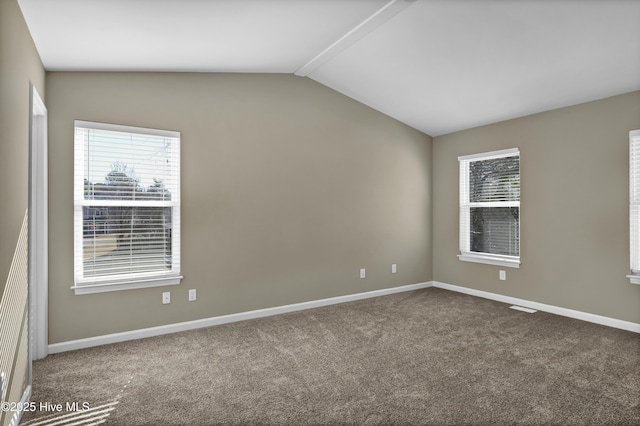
pixel 634 140
pixel 635 279
pixel 491 260
pixel 38 231
pixel 523 309
pixel 224 319
pixel 378 18
pixel 125 285
pixel 17 415
pixel 92 125
pixel 557 310
pixel 510 152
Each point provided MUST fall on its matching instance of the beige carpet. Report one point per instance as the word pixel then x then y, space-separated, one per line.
pixel 424 357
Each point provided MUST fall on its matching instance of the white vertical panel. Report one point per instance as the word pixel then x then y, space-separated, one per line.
pixel 634 199
pixel 464 207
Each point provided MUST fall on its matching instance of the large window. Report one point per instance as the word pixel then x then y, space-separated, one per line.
pixel 634 204
pixel 490 208
pixel 126 207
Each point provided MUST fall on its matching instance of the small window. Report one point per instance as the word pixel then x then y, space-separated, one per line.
pixel 634 204
pixel 490 208
pixel 126 207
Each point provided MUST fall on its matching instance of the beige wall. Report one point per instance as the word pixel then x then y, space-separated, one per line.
pixel 19 66
pixel 574 207
pixel 288 188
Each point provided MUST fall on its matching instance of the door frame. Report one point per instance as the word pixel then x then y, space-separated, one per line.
pixel 38 231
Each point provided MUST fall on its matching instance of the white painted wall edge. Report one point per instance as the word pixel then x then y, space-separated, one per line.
pixel 584 316
pixel 224 319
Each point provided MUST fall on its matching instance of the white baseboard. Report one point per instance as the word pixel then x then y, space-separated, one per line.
pixel 584 316
pixel 224 319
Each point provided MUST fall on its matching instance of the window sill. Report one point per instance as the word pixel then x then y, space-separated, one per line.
pixel 635 279
pixel 103 287
pixel 509 262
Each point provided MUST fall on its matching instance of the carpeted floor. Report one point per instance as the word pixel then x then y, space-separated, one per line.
pixel 423 357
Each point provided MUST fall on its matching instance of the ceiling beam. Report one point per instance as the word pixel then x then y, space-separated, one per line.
pixel 381 16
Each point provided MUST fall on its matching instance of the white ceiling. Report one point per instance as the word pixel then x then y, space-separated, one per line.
pixel 436 65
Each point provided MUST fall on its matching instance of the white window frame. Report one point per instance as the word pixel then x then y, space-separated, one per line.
pixel 465 211
pixel 634 206
pixel 83 285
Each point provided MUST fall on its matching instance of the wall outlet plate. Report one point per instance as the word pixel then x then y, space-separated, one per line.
pixel 192 295
pixel 503 275
pixel 363 273
pixel 394 268
pixel 166 297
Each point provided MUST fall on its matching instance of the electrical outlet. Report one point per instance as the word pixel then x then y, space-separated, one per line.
pixel 363 273
pixel 394 269
pixel 192 295
pixel 166 297
pixel 503 275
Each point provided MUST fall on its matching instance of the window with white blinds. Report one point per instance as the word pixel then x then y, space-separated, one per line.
pixel 126 207
pixel 634 204
pixel 490 207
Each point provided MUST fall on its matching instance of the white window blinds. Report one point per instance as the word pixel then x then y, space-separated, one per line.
pixel 126 207
pixel 634 204
pixel 490 207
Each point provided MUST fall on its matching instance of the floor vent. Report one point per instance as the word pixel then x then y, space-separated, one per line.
pixel 523 309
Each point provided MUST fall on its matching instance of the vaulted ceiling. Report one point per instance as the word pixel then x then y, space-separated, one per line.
pixel 436 65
